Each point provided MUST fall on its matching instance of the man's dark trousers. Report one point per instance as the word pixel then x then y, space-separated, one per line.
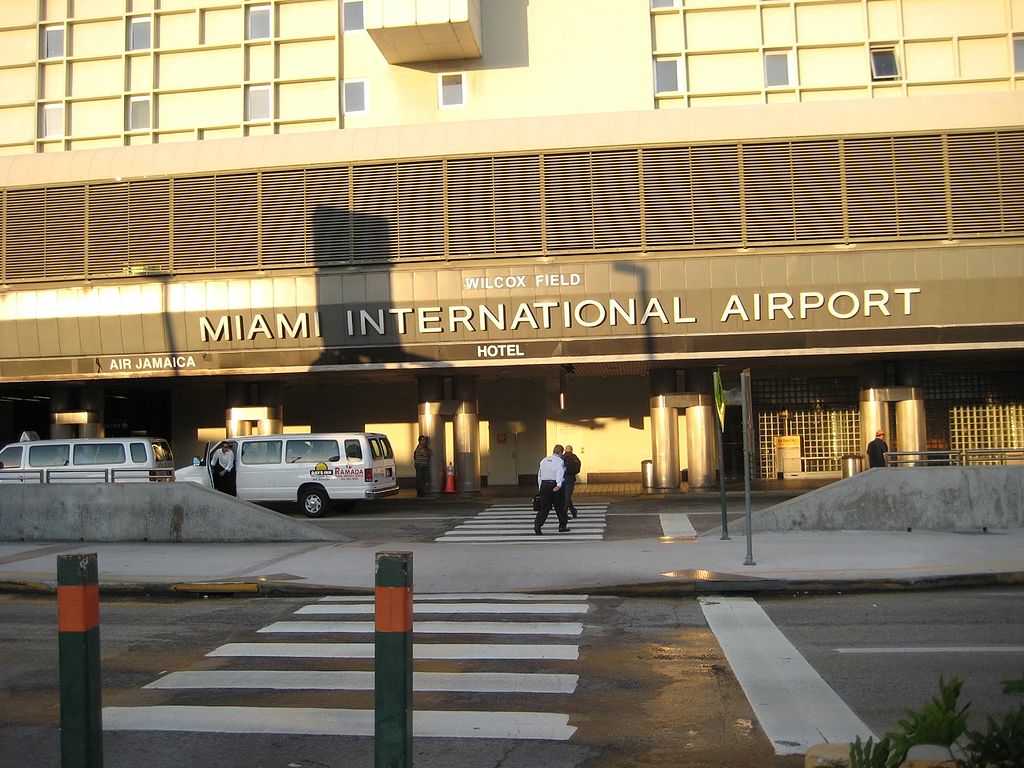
pixel 550 498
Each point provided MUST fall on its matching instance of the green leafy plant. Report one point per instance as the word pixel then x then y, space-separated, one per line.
pixel 1001 744
pixel 940 721
pixel 870 755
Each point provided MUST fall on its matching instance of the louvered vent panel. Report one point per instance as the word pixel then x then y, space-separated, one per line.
pixel 768 193
pixel 920 187
pixel 616 179
pixel 568 206
pixel 974 183
pixel 25 234
pixel 374 211
pixel 193 224
pixel 108 229
pixel 421 210
pixel 517 204
pixel 1011 177
pixel 818 190
pixel 870 188
pixel 237 241
pixel 668 199
pixel 65 232
pixel 282 207
pixel 329 215
pixel 716 195
pixel 471 212
pixel 149 244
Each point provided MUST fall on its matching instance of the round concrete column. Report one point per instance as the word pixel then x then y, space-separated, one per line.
pixel 430 393
pixel 664 430
pixel 466 428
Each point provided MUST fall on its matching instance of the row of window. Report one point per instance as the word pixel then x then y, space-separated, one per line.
pixel 779 68
pixel 258 26
pixel 259 107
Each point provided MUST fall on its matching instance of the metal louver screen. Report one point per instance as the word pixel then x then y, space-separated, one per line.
pixel 873 188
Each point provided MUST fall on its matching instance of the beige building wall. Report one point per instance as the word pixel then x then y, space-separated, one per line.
pixel 200 75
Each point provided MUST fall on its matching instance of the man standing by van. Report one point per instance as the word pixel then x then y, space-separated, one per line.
pixel 222 465
pixel 421 461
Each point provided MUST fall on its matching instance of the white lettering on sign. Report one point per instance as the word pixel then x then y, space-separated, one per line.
pixel 542 280
pixel 152 363
pixel 842 305
pixel 499 350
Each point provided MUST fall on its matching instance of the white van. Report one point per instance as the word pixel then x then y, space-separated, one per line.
pixel 87 460
pixel 312 469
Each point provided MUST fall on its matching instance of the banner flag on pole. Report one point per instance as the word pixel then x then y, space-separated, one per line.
pixel 720 400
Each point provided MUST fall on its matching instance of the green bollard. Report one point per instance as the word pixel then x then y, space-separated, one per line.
pixel 78 624
pixel 392 724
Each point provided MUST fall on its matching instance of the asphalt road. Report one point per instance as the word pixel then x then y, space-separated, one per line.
pixel 652 685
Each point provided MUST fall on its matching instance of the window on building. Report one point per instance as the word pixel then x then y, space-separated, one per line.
pixel 51 121
pixel 257 103
pixel 664 3
pixel 353 16
pixel 53 41
pixel 776 68
pixel 139 34
pixel 884 65
pixel 138 113
pixel 1018 53
pixel 451 90
pixel 257 22
pixel 355 97
pixel 667 75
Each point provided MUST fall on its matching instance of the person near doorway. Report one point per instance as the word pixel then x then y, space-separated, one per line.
pixel 550 482
pixel 421 461
pixel 877 449
pixel 573 465
pixel 222 465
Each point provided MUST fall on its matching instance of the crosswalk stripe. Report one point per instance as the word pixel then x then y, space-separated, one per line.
pixel 443 608
pixel 434 627
pixel 336 722
pixel 470 596
pixel 362 680
pixel 553 538
pixel 447 651
pixel 513 524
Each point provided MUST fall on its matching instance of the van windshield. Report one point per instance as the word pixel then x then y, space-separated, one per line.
pixel 10 456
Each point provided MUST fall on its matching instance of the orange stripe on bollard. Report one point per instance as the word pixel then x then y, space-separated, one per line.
pixel 394 609
pixel 78 608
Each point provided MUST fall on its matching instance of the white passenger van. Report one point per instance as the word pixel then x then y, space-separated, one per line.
pixel 312 469
pixel 87 460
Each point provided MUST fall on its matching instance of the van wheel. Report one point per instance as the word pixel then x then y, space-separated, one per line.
pixel 314 502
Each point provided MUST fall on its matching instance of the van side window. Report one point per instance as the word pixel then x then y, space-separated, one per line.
pixel 48 455
pixel 10 457
pixel 353 450
pixel 139 453
pixel 97 453
pixel 310 451
pixel 261 452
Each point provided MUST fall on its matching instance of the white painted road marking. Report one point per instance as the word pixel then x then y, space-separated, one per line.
pixel 678 526
pixel 445 608
pixel 940 649
pixel 362 680
pixel 473 596
pixel 795 707
pixel 419 651
pixel 435 627
pixel 513 524
pixel 336 722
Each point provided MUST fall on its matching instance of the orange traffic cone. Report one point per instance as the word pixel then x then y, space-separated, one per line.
pixel 449 481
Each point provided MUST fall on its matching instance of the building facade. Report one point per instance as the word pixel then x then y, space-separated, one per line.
pixel 507 224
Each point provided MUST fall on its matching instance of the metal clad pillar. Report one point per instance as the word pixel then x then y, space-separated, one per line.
pixel 93 403
pixel 466 428
pixel 664 430
pixel 60 402
pixel 253 408
pixel 700 431
pixel 430 393
pixel 911 432
pixel 874 410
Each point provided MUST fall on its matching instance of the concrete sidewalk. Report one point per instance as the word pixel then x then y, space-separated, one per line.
pixel 785 562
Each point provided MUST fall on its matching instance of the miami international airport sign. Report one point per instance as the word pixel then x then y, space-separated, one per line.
pixel 719 306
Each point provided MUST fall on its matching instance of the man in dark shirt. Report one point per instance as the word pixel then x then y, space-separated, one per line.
pixel 573 465
pixel 877 449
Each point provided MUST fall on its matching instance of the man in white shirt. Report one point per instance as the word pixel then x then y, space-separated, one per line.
pixel 222 466
pixel 550 481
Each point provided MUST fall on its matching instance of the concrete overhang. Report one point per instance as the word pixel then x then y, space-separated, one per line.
pixel 411 31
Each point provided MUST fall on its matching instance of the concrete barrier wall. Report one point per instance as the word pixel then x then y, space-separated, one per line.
pixel 929 498
pixel 168 512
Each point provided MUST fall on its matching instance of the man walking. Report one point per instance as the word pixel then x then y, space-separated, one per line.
pixel 573 465
pixel 421 461
pixel 550 478
pixel 877 449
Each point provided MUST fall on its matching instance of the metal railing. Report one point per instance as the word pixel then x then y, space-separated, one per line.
pixel 54 475
pixel 967 457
